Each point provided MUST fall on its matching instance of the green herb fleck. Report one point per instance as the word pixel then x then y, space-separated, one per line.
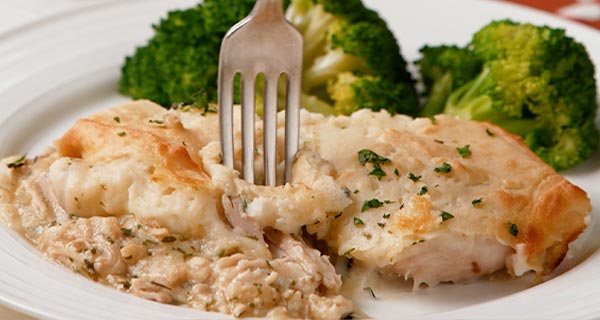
pixel 377 172
pixel 446 215
pixel 244 204
pixel 148 242
pixel 444 168
pixel 370 291
pixel 381 224
pixel 477 202
pixel 127 232
pixel 464 151
pixel 423 190
pixel 414 178
pixel 168 239
pixel 489 132
pixel 121 134
pixel 366 155
pixel 369 204
pixel 183 252
pixel 347 192
pixel 358 221
pixel 117 119
pixel 396 172
pixel 513 229
pixel 109 239
pixel 156 121
pixel 387 215
pixel 348 252
pixel 18 163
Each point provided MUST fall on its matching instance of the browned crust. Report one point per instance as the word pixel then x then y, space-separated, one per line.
pixel 101 138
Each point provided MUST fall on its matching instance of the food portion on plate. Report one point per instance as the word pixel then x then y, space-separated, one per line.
pixel 135 197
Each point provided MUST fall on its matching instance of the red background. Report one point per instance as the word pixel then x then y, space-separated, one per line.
pixel 555 6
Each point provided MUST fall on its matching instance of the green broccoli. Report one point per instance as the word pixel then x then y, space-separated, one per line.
pixel 340 37
pixel 344 37
pixel 534 81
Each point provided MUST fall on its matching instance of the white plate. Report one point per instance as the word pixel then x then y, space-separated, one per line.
pixel 65 67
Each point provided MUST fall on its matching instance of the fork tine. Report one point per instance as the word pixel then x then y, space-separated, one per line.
pixel 248 111
pixel 292 121
pixel 270 129
pixel 226 117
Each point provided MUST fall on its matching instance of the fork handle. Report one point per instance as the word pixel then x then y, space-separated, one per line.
pixel 272 8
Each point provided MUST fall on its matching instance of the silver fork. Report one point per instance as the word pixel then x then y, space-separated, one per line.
pixel 263 42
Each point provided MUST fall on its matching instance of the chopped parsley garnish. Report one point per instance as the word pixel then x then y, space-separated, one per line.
pixel 122 133
pixel 513 229
pixel 423 190
pixel 117 119
pixel 444 168
pixel 464 151
pixel 168 239
pixel 381 224
pixel 414 178
pixel 377 172
pixel 489 132
pixel 127 232
pixel 356 191
pixel 370 291
pixel 358 221
pixel 156 121
pixel 348 252
pixel 18 163
pixel 347 192
pixel 109 239
pixel 149 242
pixel 244 204
pixel 446 215
pixel 387 215
pixel 439 141
pixel 477 202
pixel 369 204
pixel 396 172
pixel 183 252
pixel 366 155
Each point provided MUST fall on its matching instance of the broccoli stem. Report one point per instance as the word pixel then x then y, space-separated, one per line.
pixel 328 67
pixel 439 93
pixel 466 102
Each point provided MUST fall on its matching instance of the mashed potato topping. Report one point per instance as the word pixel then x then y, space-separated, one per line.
pixel 135 197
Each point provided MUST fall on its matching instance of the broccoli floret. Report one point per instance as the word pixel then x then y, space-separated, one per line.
pixel 534 81
pixel 444 69
pixel 182 57
pixel 340 36
pixel 345 37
